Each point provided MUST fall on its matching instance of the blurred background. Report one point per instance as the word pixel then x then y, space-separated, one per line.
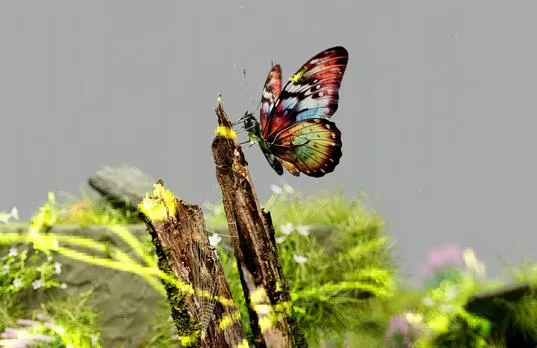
pixel 436 106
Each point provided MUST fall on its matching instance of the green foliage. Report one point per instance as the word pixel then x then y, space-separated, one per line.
pixel 68 323
pixel 25 273
pixel 22 269
pixel 75 321
pixel 58 324
pixel 93 209
pixel 337 274
pixel 335 256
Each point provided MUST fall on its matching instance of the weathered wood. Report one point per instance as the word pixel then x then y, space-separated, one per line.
pixel 202 307
pixel 124 186
pixel 269 303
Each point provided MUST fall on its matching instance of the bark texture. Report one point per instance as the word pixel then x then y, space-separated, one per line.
pixel 200 299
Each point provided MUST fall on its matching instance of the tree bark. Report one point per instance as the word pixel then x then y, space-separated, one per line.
pixel 200 299
pixel 269 303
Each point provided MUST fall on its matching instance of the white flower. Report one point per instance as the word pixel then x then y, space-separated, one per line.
pixel 5 217
pixel 300 259
pixel 414 318
pixel 288 189
pixel 42 317
pixel 94 340
pixel 36 284
pixel 276 189
pixel 14 213
pixel 428 301
pixel 63 286
pixel 446 308
pixel 451 292
pixel 13 252
pixel 214 239
pixel 480 269
pixel 280 240
pixel 5 269
pixel 58 267
pixel 469 258
pixel 17 283
pixel 217 210
pixel 303 230
pixel 473 263
pixel 287 228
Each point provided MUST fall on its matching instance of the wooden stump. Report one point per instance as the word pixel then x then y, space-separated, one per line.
pixel 202 307
pixel 267 296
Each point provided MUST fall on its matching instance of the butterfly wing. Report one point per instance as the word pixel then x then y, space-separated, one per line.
pixel 312 92
pixel 271 92
pixel 310 146
pixel 274 161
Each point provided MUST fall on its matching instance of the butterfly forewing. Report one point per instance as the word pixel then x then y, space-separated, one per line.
pixel 312 92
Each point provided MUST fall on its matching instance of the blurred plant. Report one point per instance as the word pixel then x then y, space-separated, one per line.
pixel 452 278
pixel 403 330
pixel 25 272
pixel 93 209
pixel 41 238
pixel 23 269
pixel 64 323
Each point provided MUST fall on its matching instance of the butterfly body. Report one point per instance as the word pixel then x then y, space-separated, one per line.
pixel 254 134
pixel 294 131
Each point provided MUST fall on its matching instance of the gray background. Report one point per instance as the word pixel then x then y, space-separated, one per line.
pixel 437 105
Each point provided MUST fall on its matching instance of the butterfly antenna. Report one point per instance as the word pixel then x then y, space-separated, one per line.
pixel 252 99
pixel 245 78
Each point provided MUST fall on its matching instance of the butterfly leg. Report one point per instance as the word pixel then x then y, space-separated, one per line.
pixel 240 120
pixel 249 142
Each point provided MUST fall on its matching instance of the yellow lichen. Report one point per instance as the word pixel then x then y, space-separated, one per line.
pixel 160 206
pixel 226 132
pixel 243 344
pixel 228 320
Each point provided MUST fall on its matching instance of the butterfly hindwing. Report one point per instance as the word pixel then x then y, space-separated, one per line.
pixel 271 92
pixel 311 146
pixel 312 92
pixel 274 162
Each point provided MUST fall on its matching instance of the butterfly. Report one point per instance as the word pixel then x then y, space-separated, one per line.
pixel 294 131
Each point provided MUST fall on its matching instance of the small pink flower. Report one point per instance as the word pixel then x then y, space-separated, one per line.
pixel 398 324
pixel 447 255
